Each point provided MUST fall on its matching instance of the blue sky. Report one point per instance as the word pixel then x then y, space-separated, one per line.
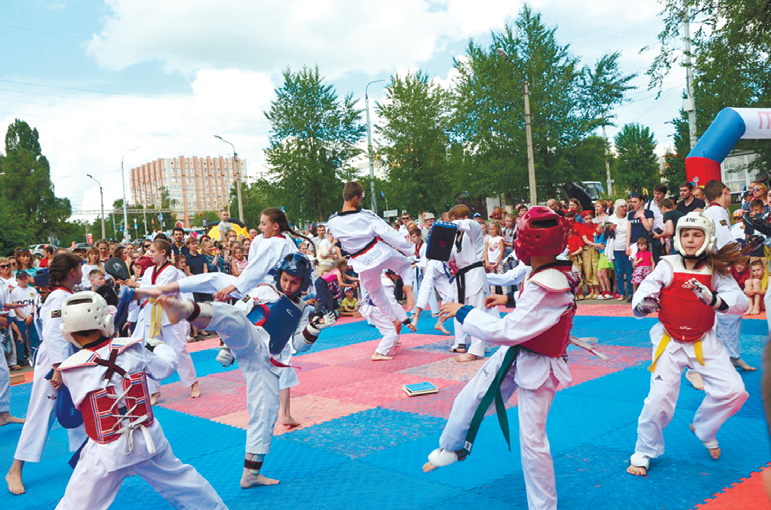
pixel 98 77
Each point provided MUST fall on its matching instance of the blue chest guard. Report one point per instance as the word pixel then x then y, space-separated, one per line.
pixel 278 318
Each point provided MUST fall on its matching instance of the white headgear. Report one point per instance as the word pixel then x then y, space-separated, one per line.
pixel 702 222
pixel 85 311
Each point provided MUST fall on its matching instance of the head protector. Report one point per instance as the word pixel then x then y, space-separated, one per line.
pixel 540 232
pixel 702 222
pixel 85 311
pixel 295 264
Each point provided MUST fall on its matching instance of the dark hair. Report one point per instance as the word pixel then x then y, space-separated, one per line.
pixel 686 184
pixel 661 188
pixel 276 215
pixel 459 211
pixel 27 253
pixel 713 190
pixel 48 249
pixel 757 203
pixel 161 237
pixel 118 251
pixel 61 266
pixel 178 229
pixel 352 189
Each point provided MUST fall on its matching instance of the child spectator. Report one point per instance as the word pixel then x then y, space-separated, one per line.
pixel 96 279
pixel 754 288
pixel 23 297
pixel 643 263
pixel 349 304
pixel 603 264
pixel 238 264
pixel 575 248
pixel 589 255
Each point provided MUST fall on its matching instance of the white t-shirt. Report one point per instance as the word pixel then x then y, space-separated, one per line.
pixel 622 228
pixel 26 297
pixel 494 248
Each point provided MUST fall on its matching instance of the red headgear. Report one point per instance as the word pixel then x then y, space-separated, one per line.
pixel 540 231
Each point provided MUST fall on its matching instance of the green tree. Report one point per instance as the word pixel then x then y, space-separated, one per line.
pixel 312 142
pixel 731 54
pixel 27 187
pixel 638 167
pixel 568 103
pixel 415 141
pixel 674 170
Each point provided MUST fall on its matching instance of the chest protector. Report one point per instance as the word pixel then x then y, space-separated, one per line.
pixel 557 277
pixel 683 316
pixel 278 318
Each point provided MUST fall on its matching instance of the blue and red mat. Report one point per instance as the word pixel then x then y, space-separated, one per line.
pixel 363 441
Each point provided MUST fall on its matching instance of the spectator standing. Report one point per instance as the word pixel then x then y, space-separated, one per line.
pixel 178 246
pixel 621 263
pixel 688 202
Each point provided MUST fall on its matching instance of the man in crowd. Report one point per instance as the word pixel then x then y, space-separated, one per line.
pixel 178 246
pixel 688 202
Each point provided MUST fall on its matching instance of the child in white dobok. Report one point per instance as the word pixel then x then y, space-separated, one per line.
pixel 688 289
pixel 107 379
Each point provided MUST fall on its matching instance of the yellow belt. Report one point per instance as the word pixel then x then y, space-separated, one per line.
pixel 663 345
pixel 156 317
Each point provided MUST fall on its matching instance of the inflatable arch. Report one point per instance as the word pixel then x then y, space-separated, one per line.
pixel 731 125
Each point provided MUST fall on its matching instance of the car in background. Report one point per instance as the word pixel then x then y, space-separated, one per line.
pixel 37 249
pixel 85 246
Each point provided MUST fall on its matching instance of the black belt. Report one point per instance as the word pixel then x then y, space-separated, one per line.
pixel 366 248
pixel 460 279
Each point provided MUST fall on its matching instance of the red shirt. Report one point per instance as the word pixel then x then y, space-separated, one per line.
pixel 574 243
pixel 742 277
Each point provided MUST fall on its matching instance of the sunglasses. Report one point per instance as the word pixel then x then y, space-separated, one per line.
pixel 5 266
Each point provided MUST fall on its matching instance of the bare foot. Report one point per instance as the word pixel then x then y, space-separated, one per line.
pixel 428 467
pixel 713 452
pixel 637 470
pixel 13 478
pixel 6 418
pixel 740 363
pixel 464 358
pixel 381 357
pixel 195 390
pixel 154 398
pixel 695 379
pixel 440 328
pixel 249 480
pixel 175 309
pixel 290 422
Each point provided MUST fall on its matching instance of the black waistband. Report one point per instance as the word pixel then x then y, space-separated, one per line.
pixel 468 268
pixel 366 248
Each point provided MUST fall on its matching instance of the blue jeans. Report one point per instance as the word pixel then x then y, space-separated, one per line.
pixel 28 333
pixel 623 267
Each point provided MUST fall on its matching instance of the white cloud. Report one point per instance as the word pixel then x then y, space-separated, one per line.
pixel 83 134
pixel 339 36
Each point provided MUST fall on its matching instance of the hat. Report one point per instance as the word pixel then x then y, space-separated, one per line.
pixel 428 216
pixel 738 213
pixel 22 274
pixel 476 215
pixel 587 213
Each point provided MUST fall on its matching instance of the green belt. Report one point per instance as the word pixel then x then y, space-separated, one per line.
pixel 493 393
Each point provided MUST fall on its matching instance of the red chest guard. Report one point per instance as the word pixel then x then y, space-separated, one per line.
pixel 683 316
pixel 107 414
pixel 554 341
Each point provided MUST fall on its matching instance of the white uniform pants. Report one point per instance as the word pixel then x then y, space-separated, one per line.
pixel 93 487
pixel 41 415
pixel 5 388
pixel 477 347
pixel 725 395
pixel 729 328
pixel 370 278
pixel 440 283
pixel 386 328
pixel 533 409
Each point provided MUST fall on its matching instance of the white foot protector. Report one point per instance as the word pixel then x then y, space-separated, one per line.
pixel 640 460
pixel 441 457
pixel 225 357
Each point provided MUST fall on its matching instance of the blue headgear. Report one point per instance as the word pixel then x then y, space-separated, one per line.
pixel 42 278
pixel 295 264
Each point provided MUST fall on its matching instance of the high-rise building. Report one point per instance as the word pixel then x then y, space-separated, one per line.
pixel 196 184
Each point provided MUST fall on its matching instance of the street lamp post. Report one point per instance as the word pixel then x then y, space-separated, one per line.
pixel 101 198
pixel 372 197
pixel 125 208
pixel 528 130
pixel 238 178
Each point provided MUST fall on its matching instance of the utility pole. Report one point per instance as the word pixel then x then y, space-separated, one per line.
pixel 528 129
pixel 237 166
pixel 689 103
pixel 607 161
pixel 101 197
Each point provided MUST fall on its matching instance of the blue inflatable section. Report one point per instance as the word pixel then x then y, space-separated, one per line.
pixel 721 136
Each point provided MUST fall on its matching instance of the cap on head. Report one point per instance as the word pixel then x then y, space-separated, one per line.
pixel 541 232
pixel 85 311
